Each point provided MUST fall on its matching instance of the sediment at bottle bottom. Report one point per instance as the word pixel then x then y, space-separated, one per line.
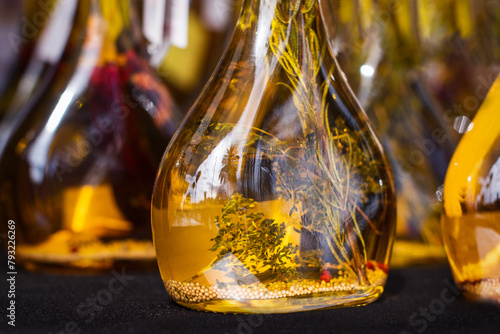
pixel 277 297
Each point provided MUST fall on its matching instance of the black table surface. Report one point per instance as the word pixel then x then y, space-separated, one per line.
pixel 416 300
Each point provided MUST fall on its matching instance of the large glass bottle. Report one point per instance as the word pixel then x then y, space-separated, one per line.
pixel 471 219
pixel 77 174
pixel 274 195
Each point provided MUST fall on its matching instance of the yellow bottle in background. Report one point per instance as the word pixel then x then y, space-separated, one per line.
pixel 471 219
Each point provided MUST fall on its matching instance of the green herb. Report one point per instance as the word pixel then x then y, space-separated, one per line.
pixel 255 241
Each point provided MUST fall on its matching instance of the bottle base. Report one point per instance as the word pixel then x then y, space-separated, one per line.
pixel 482 290
pixel 90 268
pixel 66 252
pixel 288 305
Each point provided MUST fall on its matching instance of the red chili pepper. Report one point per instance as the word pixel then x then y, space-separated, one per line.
pixel 325 276
pixel 370 265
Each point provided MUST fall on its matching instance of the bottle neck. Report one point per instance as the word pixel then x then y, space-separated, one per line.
pixel 282 29
pixel 116 15
pixel 282 43
pixel 111 20
pixel 285 10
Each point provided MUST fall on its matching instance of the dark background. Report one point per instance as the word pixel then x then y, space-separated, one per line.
pixel 50 304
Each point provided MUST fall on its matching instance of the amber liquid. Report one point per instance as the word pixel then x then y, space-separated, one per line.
pixel 473 245
pixel 222 288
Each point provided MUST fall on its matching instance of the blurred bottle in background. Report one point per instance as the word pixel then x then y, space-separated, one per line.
pixel 471 218
pixel 461 42
pixel 40 42
pixel 77 173
pixel 188 49
pixel 410 63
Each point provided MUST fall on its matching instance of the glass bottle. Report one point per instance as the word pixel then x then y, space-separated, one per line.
pixel 471 218
pixel 274 195
pixel 77 174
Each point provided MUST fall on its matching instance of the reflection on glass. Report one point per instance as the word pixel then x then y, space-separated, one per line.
pixel 275 195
